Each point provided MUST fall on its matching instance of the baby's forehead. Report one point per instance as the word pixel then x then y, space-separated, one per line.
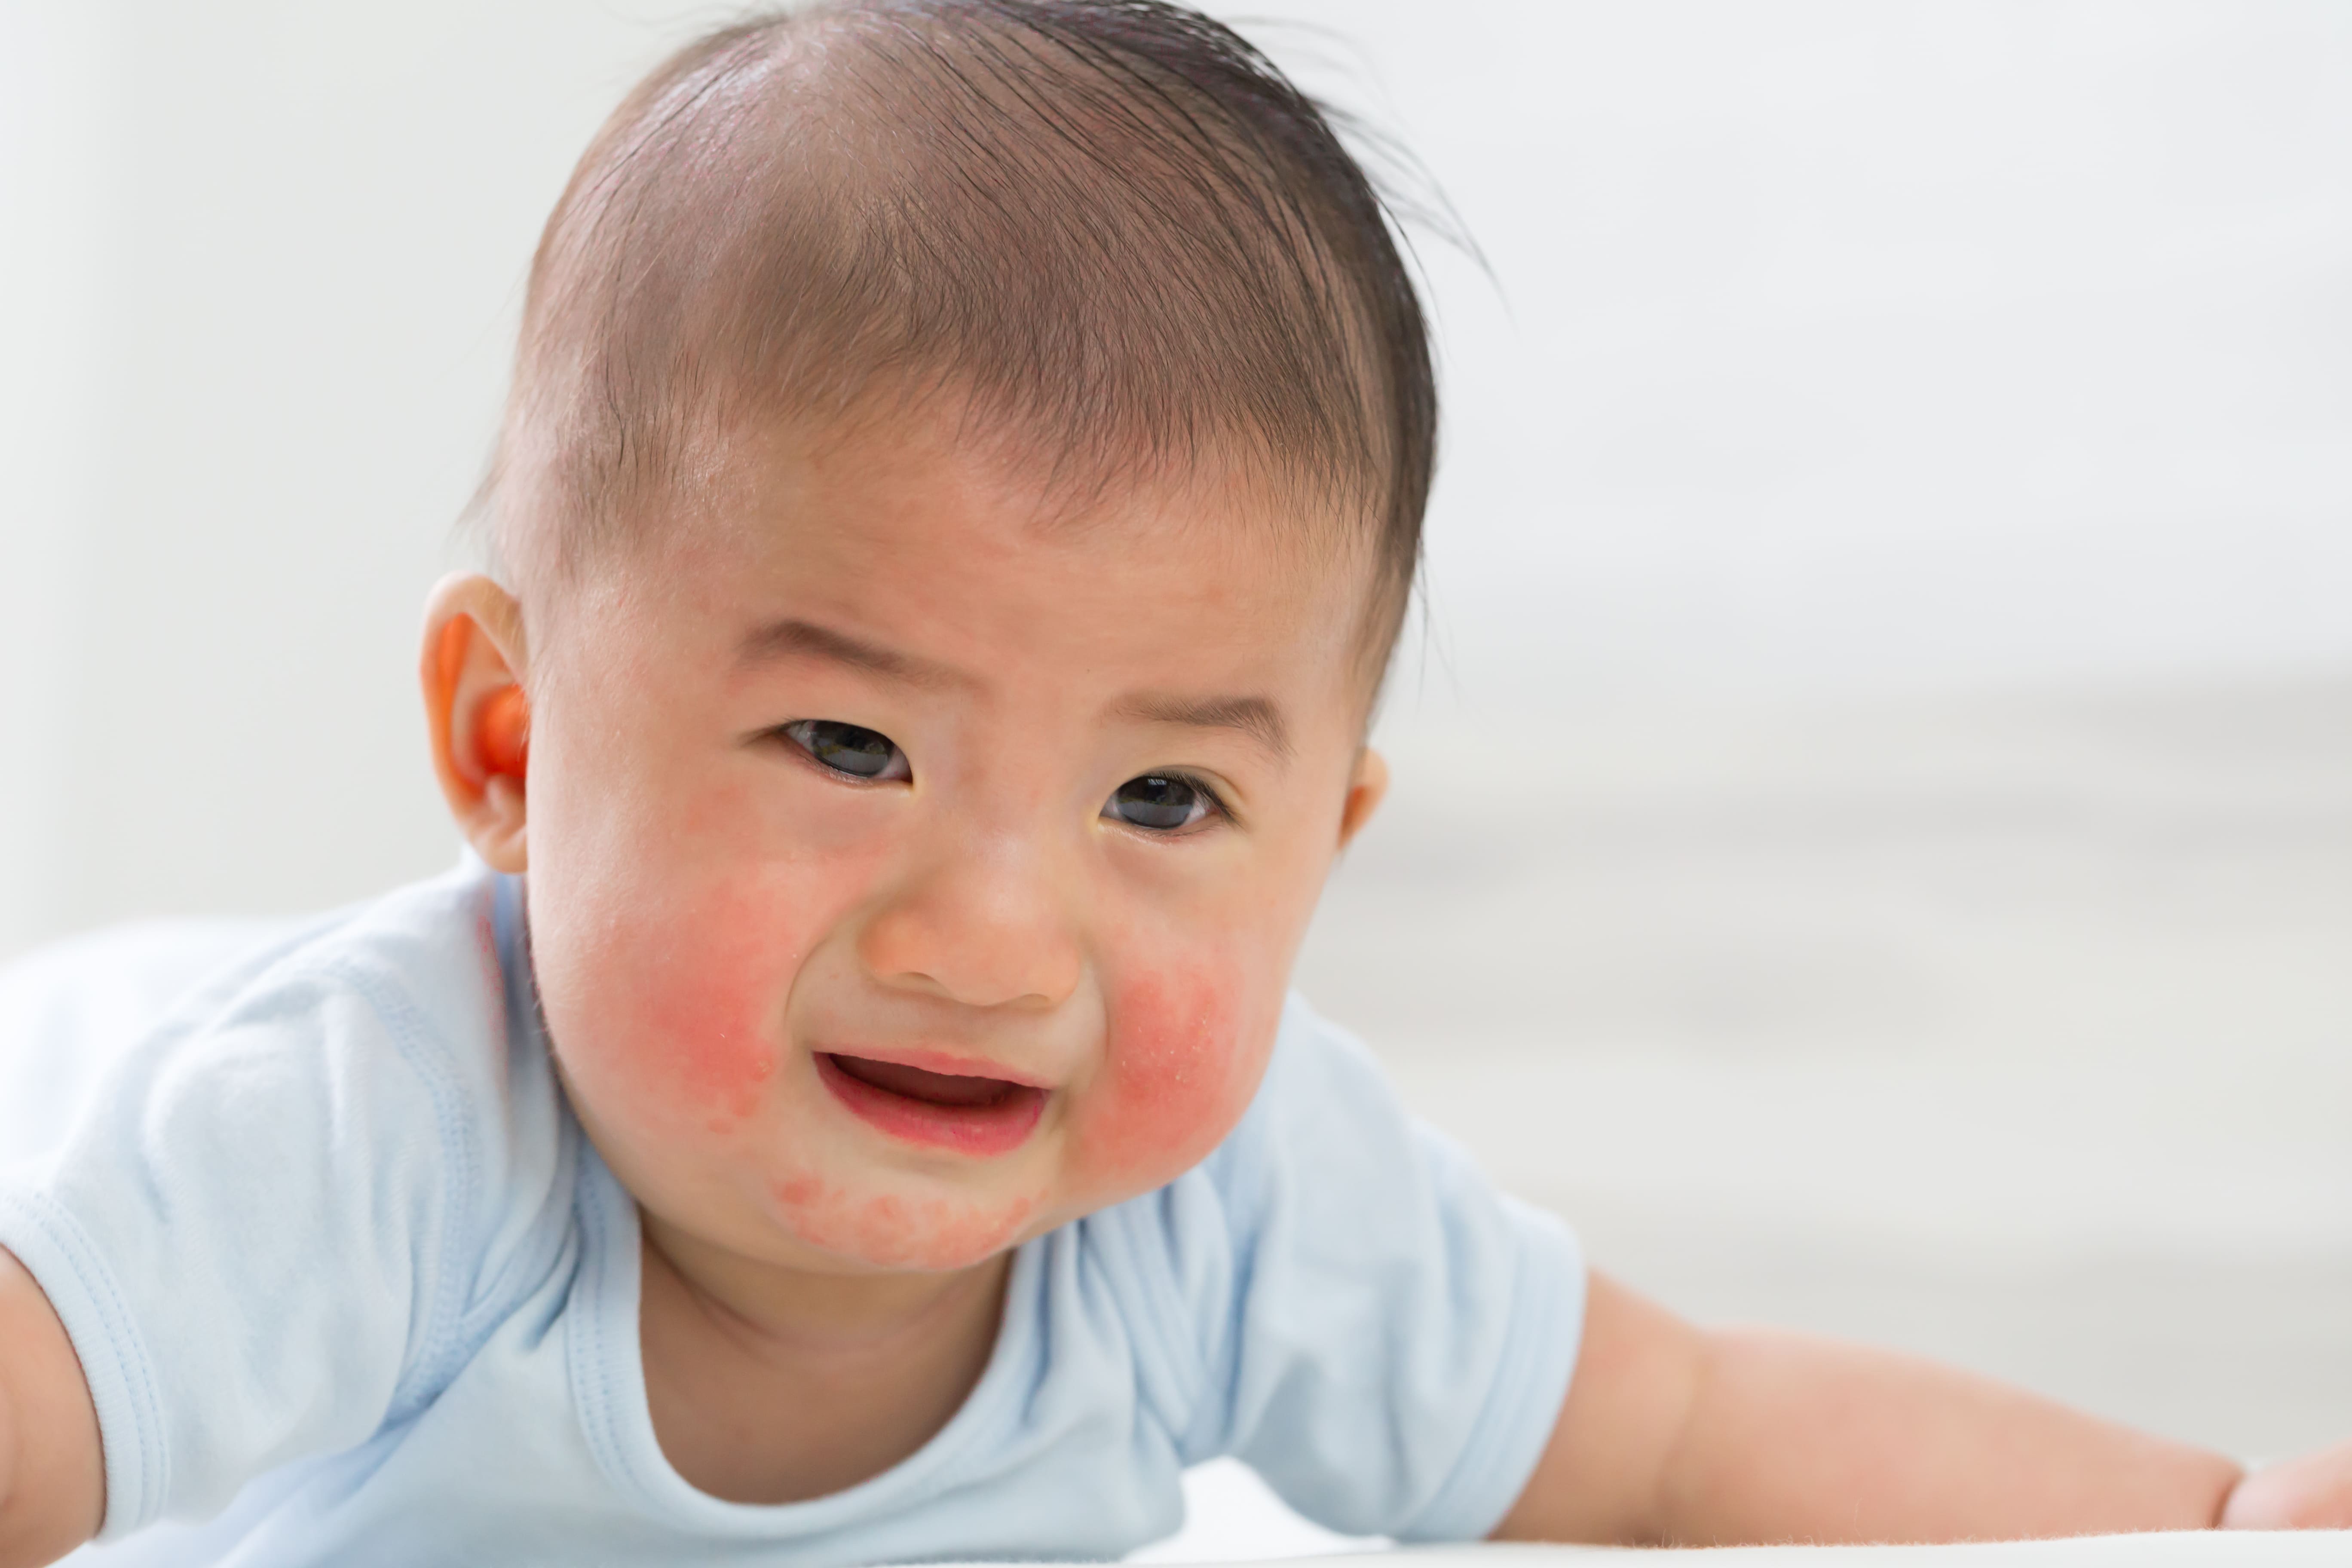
pixel 1114 226
pixel 924 485
pixel 916 536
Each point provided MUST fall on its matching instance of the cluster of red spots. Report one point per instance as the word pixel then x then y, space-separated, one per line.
pixel 744 1103
pixel 721 1061
pixel 1176 1076
pixel 889 1230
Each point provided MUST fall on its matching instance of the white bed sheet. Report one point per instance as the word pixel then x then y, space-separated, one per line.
pixel 2201 1549
pixel 1232 1518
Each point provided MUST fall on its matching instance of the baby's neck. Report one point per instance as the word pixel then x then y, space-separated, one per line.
pixel 776 1384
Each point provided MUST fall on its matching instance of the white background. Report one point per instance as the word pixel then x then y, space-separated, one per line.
pixel 1873 836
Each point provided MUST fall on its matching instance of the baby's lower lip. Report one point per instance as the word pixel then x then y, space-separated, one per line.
pixel 968 1114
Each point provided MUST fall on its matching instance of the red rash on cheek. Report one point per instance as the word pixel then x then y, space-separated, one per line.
pixel 1177 1078
pixel 700 1034
pixel 727 1071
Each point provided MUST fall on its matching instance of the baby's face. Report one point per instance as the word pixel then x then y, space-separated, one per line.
pixel 911 871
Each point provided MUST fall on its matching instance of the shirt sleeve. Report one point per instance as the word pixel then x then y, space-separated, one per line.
pixel 1397 1337
pixel 68 1010
pixel 244 1234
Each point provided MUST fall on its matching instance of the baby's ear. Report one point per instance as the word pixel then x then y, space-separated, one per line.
pixel 474 671
pixel 1367 787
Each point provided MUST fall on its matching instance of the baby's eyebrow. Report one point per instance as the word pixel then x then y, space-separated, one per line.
pixel 1257 717
pixel 806 639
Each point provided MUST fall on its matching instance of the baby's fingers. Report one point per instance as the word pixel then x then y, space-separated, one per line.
pixel 2312 1492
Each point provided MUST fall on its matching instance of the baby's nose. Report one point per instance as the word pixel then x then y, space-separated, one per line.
pixel 986 929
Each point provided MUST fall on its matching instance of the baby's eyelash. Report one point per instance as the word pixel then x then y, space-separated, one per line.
pixel 1217 805
pixel 1166 803
pixel 847 750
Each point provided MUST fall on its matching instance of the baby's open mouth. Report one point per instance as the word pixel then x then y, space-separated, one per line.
pixel 970 1113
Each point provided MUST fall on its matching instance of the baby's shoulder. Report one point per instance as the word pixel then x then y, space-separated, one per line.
pixel 1325 1151
pixel 405 1023
pixel 343 1146
pixel 1324 1107
pixel 1336 1290
pixel 429 979
pixel 427 955
pixel 416 1008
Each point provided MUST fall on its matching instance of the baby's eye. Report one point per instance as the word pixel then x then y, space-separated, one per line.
pixel 847 748
pixel 1161 803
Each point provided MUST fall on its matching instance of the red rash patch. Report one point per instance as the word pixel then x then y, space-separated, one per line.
pixel 704 1029
pixel 719 1060
pixel 1173 1083
pixel 894 1232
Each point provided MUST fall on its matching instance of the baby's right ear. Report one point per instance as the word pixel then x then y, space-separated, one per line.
pixel 473 670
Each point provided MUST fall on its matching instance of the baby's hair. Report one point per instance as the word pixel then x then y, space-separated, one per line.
pixel 1113 227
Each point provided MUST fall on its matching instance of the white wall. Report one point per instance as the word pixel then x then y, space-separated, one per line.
pixel 1897 344
pixel 264 261
pixel 1904 345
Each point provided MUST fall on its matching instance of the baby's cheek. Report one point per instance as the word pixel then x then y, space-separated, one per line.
pixel 698 1035
pixel 891 1231
pixel 1179 1067
pixel 704 1046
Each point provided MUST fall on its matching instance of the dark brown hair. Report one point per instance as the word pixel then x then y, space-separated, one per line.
pixel 1112 225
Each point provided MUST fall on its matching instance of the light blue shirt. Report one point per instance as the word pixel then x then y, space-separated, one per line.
pixel 349 1284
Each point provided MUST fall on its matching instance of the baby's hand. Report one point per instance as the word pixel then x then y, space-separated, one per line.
pixel 2312 1492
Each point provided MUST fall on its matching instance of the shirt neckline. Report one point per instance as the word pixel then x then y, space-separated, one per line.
pixel 608 1385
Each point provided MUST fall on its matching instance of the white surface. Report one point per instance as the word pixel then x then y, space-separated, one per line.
pixel 1235 1519
pixel 2187 1550
pixel 1231 1516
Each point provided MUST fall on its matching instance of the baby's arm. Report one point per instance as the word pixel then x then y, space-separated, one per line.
pixel 1671 1434
pixel 52 1476
pixel 2312 1492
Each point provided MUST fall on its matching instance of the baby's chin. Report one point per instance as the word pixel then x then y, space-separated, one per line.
pixel 921 1228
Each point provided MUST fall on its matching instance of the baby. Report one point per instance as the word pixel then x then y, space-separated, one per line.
pixel 962 482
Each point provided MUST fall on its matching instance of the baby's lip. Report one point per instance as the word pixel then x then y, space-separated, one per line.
pixel 980 1113
pixel 946 1064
